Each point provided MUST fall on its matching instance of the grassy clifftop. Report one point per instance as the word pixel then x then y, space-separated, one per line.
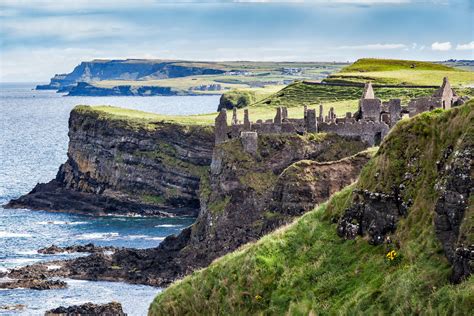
pixel 375 64
pixel 401 72
pixel 141 119
pixel 305 268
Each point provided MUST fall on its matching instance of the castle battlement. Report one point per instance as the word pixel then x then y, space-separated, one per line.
pixel 370 123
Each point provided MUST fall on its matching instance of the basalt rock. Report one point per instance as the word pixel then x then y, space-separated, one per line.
pixel 33 284
pixel 307 183
pixel 422 171
pixel 89 248
pixel 237 206
pixel 455 187
pixel 372 213
pixel 117 167
pixel 89 309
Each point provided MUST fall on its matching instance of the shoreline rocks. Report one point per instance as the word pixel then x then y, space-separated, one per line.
pixel 89 309
pixel 33 284
pixel 88 248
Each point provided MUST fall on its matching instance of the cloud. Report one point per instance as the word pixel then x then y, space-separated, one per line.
pixel 467 46
pixel 377 46
pixel 68 28
pixel 444 46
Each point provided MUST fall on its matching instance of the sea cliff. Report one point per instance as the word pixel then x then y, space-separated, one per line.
pixel 118 164
pixel 242 196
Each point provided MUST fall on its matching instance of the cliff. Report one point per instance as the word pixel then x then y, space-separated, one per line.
pixel 121 164
pixel 86 89
pixel 129 69
pixel 239 202
pixel 407 232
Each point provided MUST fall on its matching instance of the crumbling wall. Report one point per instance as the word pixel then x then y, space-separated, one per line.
pixel 370 132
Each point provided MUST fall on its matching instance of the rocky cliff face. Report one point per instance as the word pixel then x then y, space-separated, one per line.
pixel 117 166
pixel 422 172
pixel 130 69
pixel 249 195
pixel 239 203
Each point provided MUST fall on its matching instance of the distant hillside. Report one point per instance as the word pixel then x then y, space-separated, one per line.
pixel 401 72
pixel 130 69
pixel 374 64
pixel 421 173
pixel 180 77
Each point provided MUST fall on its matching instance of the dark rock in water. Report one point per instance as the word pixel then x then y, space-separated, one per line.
pixel 34 284
pixel 89 248
pixel 89 309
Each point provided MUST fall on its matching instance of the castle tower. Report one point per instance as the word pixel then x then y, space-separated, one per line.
pixel 246 120
pixel 368 91
pixel 310 121
pixel 221 126
pixel 446 93
pixel 369 106
pixel 284 113
pixel 321 114
pixel 277 119
pixel 234 116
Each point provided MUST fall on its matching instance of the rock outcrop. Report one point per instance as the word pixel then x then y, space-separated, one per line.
pixel 33 284
pixel 118 165
pixel 237 206
pixel 425 166
pixel 89 309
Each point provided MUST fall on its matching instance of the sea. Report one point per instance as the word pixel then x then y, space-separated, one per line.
pixel 33 144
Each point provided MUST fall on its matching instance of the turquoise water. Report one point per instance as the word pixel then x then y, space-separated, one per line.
pixel 33 143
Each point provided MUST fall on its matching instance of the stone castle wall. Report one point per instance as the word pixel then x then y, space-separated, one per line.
pixel 368 131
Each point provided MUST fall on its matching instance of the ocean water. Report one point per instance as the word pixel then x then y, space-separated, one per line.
pixel 33 143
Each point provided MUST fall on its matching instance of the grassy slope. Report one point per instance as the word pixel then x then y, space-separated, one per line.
pixel 306 268
pixel 268 74
pixel 140 119
pixel 390 71
pixel 300 93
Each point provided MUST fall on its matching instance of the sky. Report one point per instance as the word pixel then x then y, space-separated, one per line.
pixel 41 38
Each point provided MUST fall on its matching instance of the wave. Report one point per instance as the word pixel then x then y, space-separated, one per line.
pixel 167 226
pixel 105 236
pixel 5 234
pixel 27 252
pixel 60 223
pixel 145 237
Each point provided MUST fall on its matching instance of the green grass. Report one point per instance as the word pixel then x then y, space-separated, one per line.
pixel 401 72
pixel 341 98
pixel 140 119
pixel 306 269
pixel 376 64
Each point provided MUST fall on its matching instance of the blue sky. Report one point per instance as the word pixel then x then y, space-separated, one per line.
pixel 44 37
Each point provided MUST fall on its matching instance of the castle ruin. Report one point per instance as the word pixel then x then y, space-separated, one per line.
pixel 371 122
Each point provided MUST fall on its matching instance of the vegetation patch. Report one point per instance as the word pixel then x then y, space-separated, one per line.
pixel 401 72
pixel 305 268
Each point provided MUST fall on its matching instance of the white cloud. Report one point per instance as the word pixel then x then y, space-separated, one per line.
pixel 68 28
pixel 377 46
pixel 444 46
pixel 467 46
